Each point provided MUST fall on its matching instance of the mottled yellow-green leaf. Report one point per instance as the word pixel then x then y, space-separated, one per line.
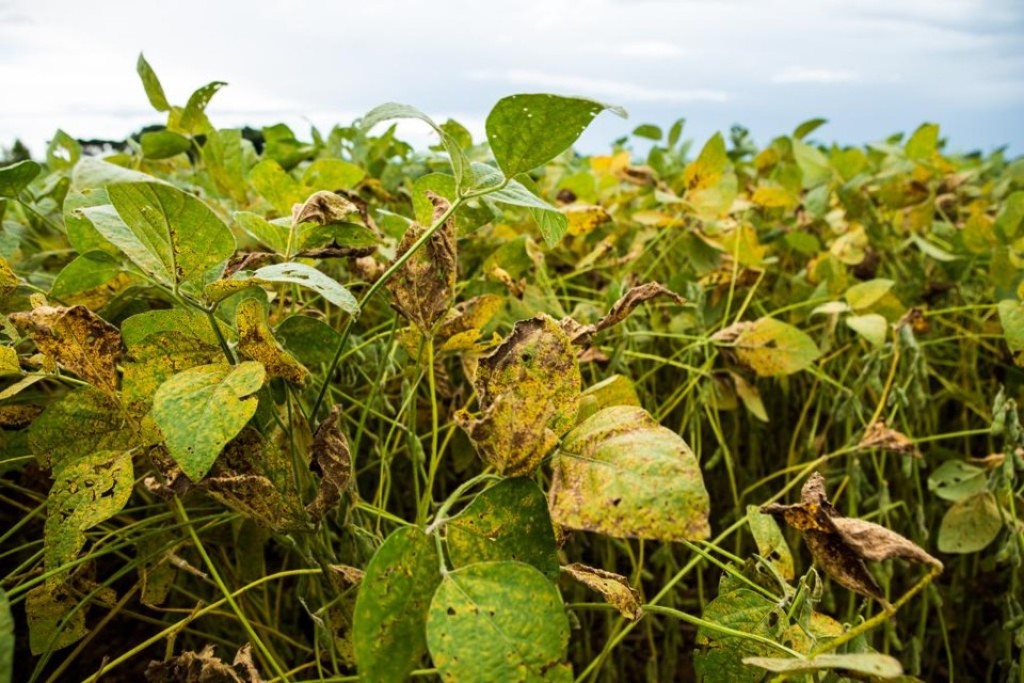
pixel 86 491
pixel 423 289
pixel 585 218
pixel 710 186
pixel 923 144
pixel 56 617
pixel 622 474
pixel 529 392
pixel 83 422
pixel 9 364
pixel 256 342
pixel 201 409
pixel 9 281
pixel 78 339
pixel 613 587
pixel 775 198
pixel 873 664
pixel 750 396
pixel 498 621
pixel 1011 317
pixel 771 544
pixel 770 347
pixel 617 390
pixel 276 186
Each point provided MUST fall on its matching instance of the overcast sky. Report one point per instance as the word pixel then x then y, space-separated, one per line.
pixel 872 67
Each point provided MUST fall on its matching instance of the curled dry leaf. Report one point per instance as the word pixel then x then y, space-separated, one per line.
pixel 614 587
pixel 878 435
pixel 422 290
pixel 205 667
pixel 841 544
pixel 620 310
pixel 18 416
pixel 529 393
pixel 76 338
pixel 332 460
pixel 323 208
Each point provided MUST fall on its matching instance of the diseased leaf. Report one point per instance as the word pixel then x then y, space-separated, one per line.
pixel 205 667
pixel 869 663
pixel 878 435
pixel 970 525
pixel 617 390
pixel 584 219
pixel 710 186
pixel 423 289
pixel 332 461
pixel 751 397
pixel 771 544
pixel 256 342
pixel 9 364
pixel 85 421
pixel 529 391
pixel 56 617
pixel 620 310
pixel 622 474
pixel 500 621
pixel 9 281
pixel 769 347
pixel 78 339
pixel 509 521
pixel 391 608
pixel 193 118
pixel 613 587
pixel 201 409
pixel 323 208
pixel 956 480
pixel 295 273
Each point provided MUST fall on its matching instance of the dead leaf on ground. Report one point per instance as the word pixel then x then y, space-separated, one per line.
pixel 620 310
pixel 841 544
pixel 878 435
pixel 332 460
pixel 614 587
pixel 205 667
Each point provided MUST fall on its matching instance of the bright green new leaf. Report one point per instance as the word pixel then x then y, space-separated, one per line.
pixel 84 421
pixel 6 639
pixel 184 235
pixel 813 163
pixel 154 91
pixel 63 152
pixel 193 118
pixel 956 480
pixel 88 271
pixel 201 409
pixel 526 131
pixel 276 186
pixel 622 474
pixel 295 273
pixel 311 340
pixel 86 491
pixel 498 621
pixel 509 521
pixel 871 326
pixel 770 347
pixel 864 295
pixel 771 544
pixel 391 609
pixel 970 525
pixel 873 664
pixel 923 144
pixel 648 131
pixel 163 144
pixel 16 177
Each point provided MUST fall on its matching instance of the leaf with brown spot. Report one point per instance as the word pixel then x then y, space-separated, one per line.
pixel 878 435
pixel 332 460
pixel 204 667
pixel 768 346
pixel 256 342
pixel 323 208
pixel 620 310
pixel 614 587
pixel 78 339
pixel 529 393
pixel 18 416
pixel 841 544
pixel 423 289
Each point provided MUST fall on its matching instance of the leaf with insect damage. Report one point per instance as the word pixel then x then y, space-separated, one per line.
pixel 205 667
pixel 622 474
pixel 529 392
pixel 77 339
pixel 391 609
pixel 613 587
pixel 620 310
pixel 256 342
pixel 768 346
pixel 332 460
pixel 509 521
pixel 201 409
pixel 841 544
pixel 423 289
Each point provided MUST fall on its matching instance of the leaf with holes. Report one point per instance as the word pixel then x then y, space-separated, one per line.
pixel 391 608
pixel 509 521
pixel 498 621
pixel 201 409
pixel 622 474
pixel 956 480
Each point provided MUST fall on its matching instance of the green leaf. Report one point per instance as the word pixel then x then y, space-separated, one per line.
pixel 813 163
pixel 526 131
pixel 63 152
pixel 869 663
pixel 183 239
pixel 332 175
pixel 923 144
pixel 956 480
pixel 276 186
pixel 649 131
pixel 1011 317
pixel 224 158
pixel 201 409
pixel 87 271
pixel 872 327
pixel 808 127
pixel 256 342
pixel 1011 215
pixel 509 521
pixel 771 544
pixel 391 608
pixel 85 421
pixel 295 273
pixel 970 525
pixel 16 177
pixel 154 91
pixel 163 144
pixel 6 639
pixel 710 186
pixel 552 223
pixel 720 656
pixel 616 390
pixel 864 295
pixel 311 340
pixel 193 118
pixel 498 621
pixel 394 110
pixel 93 173
pixel 622 474
pixel 265 232
pixel 770 347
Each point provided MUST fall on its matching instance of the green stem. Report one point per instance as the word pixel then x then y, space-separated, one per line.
pixel 718 628
pixel 428 492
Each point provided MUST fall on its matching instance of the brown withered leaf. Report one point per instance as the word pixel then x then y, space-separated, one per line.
pixel 529 393
pixel 322 208
pixel 878 435
pixel 205 667
pixel 332 460
pixel 256 342
pixel 76 338
pixel 423 289
pixel 839 545
pixel 18 416
pixel 614 587
pixel 620 310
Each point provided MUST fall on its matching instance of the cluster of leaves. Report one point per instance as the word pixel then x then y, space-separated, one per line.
pixel 353 409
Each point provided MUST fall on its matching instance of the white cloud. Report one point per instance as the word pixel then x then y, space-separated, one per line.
pixel 654 49
pixel 801 74
pixel 619 90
